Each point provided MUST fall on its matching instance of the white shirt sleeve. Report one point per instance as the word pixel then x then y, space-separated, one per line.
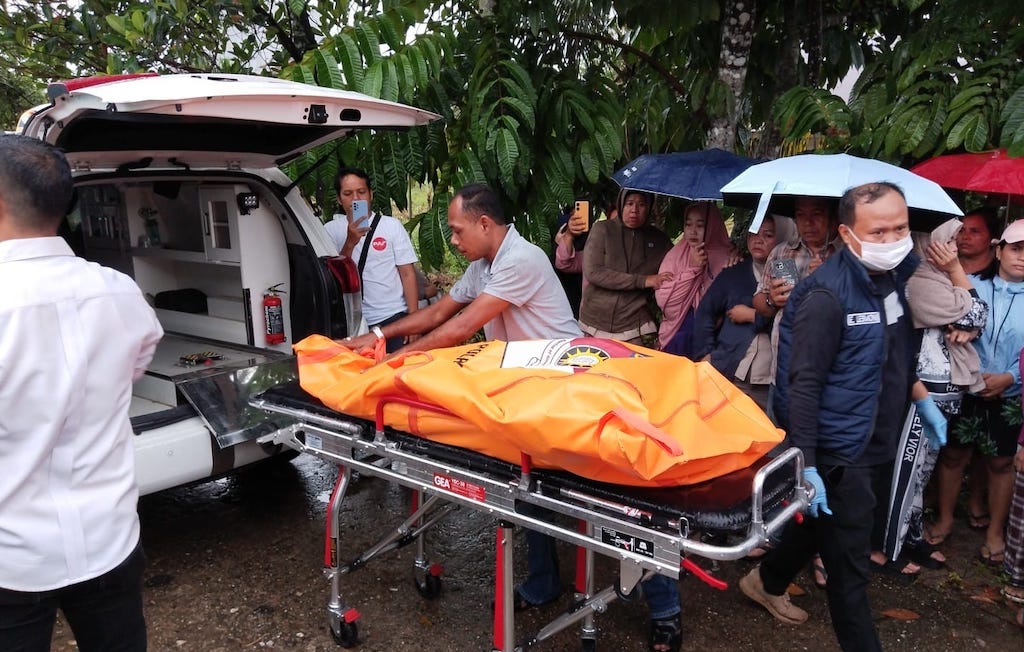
pixel 403 252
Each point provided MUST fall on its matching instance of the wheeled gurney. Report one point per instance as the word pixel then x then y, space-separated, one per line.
pixel 648 530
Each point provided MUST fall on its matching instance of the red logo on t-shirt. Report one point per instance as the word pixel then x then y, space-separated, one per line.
pixel 379 244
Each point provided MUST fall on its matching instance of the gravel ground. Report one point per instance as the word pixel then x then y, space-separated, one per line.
pixel 236 565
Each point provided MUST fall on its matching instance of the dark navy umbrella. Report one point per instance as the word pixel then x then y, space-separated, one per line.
pixel 687 175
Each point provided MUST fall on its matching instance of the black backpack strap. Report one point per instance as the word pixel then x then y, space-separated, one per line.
pixel 366 245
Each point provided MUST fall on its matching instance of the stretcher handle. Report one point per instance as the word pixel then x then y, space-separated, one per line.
pixel 703 575
pixel 411 402
pixel 662 438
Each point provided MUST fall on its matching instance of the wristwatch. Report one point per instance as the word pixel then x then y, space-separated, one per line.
pixel 768 300
pixel 378 332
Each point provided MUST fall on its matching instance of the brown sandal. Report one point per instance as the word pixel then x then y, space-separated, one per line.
pixel 990 556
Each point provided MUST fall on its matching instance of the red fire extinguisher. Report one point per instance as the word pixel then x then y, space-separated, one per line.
pixel 273 315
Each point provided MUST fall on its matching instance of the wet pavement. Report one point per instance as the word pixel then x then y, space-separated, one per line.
pixel 236 564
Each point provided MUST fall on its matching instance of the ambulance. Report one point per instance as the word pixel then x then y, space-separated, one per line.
pixel 178 185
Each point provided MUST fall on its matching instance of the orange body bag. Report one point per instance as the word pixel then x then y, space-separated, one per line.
pixel 598 408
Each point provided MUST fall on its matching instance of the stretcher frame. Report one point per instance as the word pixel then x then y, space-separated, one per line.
pixel 643 542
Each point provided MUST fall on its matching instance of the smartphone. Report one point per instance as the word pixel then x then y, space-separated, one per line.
pixel 784 268
pixel 360 210
pixel 581 215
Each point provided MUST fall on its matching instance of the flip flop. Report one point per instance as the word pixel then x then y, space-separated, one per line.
pixel 923 554
pixel 895 569
pixel 1012 596
pixel 818 570
pixel 978 521
pixel 991 557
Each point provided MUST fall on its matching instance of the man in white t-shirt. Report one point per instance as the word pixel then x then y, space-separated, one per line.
pixel 388 273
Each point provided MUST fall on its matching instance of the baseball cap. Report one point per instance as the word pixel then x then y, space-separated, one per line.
pixel 1013 233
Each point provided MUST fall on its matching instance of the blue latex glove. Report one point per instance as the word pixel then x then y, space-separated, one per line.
pixel 819 504
pixel 932 420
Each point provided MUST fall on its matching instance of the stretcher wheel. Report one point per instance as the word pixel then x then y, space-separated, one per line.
pixel 347 634
pixel 430 587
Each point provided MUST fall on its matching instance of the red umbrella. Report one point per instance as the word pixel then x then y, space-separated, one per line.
pixel 991 172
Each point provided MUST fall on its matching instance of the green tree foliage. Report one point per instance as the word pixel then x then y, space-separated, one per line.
pixel 544 100
pixel 16 94
pixel 955 82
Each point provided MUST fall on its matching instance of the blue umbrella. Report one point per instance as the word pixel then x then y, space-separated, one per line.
pixel 772 186
pixel 687 175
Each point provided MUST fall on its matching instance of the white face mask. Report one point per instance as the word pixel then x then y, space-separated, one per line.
pixel 882 256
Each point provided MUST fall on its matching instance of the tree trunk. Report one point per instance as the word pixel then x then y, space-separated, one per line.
pixel 737 34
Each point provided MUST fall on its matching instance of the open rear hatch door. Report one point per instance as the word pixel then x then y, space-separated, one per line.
pixel 204 120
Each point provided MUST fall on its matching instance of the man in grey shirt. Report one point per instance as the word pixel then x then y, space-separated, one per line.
pixel 509 289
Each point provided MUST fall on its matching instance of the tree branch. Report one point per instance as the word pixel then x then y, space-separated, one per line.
pixel 283 38
pixel 671 79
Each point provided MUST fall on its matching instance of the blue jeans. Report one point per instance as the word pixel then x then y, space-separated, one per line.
pixel 543 583
pixel 105 613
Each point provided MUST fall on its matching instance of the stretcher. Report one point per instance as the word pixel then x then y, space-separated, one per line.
pixel 647 530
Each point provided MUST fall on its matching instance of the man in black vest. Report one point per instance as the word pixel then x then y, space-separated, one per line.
pixel 844 392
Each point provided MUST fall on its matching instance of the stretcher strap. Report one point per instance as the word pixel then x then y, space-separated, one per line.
pixel 412 402
pixel 663 439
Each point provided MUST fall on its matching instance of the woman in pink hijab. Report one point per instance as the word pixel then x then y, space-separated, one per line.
pixel 702 252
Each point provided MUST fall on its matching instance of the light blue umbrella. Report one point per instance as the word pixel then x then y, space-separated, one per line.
pixel 772 186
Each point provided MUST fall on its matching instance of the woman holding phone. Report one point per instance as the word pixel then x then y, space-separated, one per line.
pixel 702 253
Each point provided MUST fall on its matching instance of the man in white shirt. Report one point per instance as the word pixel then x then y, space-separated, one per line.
pixel 73 336
pixel 381 248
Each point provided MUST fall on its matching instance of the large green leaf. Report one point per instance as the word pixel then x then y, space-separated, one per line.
pixel 522 109
pixel 971 132
pixel 350 59
pixel 369 44
pixel 434 233
pixel 328 73
pixel 392 31
pixel 389 87
pixel 1012 116
pixel 373 80
pixel 506 149
pixel 589 161
pixel 976 138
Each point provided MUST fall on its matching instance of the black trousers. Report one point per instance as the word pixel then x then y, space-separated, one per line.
pixel 393 343
pixel 105 613
pixel 844 541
